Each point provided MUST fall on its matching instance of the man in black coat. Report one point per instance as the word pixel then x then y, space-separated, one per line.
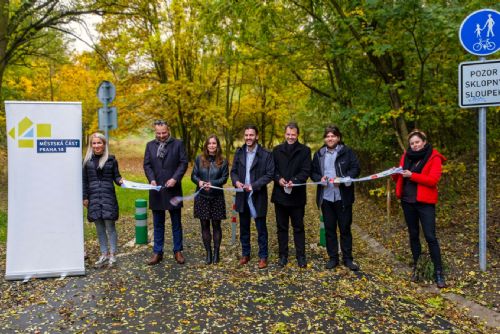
pixel 165 162
pixel 252 170
pixel 333 160
pixel 292 165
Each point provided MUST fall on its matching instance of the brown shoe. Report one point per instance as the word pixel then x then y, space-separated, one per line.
pixel 155 259
pixel 244 260
pixel 179 258
pixel 262 263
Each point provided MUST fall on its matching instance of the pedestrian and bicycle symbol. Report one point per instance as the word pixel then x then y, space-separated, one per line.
pixel 480 32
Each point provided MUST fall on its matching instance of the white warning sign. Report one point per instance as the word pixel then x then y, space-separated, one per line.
pixel 479 84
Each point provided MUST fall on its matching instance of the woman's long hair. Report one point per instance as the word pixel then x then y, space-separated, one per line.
pixel 105 154
pixel 205 162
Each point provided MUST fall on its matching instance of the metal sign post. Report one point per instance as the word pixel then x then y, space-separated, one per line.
pixel 482 188
pixel 480 36
pixel 106 93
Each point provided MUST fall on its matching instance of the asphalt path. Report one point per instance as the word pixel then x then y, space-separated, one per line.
pixel 167 298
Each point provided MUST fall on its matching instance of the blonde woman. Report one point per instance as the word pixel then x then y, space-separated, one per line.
pixel 100 170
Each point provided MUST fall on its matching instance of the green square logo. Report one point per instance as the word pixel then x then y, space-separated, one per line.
pixel 25 143
pixel 43 130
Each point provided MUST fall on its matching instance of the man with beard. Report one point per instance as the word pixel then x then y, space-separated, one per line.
pixel 335 159
pixel 165 162
pixel 292 162
pixel 252 170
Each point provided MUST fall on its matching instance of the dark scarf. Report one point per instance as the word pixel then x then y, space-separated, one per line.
pixel 416 160
pixel 289 148
pixel 162 149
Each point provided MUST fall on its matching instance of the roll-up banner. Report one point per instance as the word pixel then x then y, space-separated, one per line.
pixel 45 221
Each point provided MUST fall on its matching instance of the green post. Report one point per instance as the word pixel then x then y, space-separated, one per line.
pixel 141 221
pixel 322 237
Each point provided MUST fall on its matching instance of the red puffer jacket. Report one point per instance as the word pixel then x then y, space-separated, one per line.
pixel 426 181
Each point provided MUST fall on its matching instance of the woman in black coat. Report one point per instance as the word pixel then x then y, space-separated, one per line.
pixel 210 169
pixel 100 170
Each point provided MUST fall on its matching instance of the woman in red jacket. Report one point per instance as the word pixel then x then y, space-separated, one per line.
pixel 416 187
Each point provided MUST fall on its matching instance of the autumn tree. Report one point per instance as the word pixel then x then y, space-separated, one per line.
pixel 25 30
pixel 378 67
pixel 161 45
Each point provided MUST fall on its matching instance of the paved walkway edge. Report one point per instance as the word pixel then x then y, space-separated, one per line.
pixel 474 310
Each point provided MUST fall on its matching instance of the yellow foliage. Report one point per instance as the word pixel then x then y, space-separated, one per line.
pixel 379 192
pixel 454 167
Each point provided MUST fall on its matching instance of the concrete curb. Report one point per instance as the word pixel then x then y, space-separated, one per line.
pixel 474 310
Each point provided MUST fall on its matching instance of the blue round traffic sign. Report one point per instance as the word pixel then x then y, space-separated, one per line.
pixel 480 32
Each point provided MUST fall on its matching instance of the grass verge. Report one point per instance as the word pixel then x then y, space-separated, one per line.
pixel 127 197
pixel 3 227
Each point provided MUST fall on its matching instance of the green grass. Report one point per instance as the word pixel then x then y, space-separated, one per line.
pixel 133 148
pixel 3 227
pixel 126 200
pixel 127 197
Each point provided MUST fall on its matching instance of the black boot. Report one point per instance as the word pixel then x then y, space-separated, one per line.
pixel 414 275
pixel 208 259
pixel 216 258
pixel 440 282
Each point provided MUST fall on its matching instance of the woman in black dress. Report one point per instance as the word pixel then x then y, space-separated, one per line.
pixel 210 169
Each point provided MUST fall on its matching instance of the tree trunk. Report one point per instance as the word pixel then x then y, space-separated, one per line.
pixel 389 67
pixel 388 200
pixel 3 137
pixel 2 71
pixel 228 109
pixel 263 119
pixel 4 21
pixel 183 130
pixel 399 123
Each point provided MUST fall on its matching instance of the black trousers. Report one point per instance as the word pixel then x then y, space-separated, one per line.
pixel 295 214
pixel 334 214
pixel 426 214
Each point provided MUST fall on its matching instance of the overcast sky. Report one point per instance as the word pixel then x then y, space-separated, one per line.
pixel 86 32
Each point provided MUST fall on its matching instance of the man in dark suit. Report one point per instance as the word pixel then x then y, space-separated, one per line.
pixel 165 162
pixel 252 170
pixel 292 165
